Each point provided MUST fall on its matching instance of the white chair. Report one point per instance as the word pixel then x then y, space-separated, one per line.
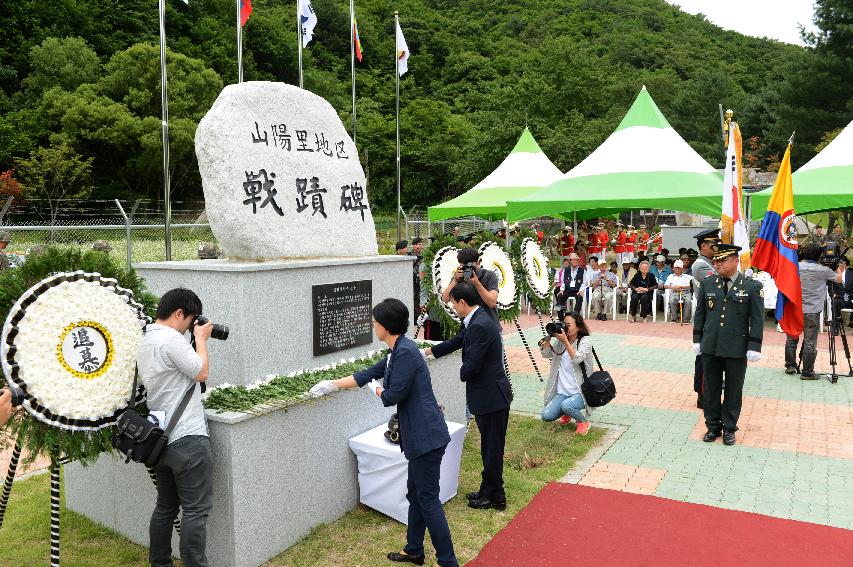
pixel 628 304
pixel 655 294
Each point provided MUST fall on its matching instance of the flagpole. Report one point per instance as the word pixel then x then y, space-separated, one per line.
pixel 299 36
pixel 164 101
pixel 239 44
pixel 397 64
pixel 352 60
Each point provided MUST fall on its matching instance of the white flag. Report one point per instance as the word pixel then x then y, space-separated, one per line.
pixel 402 52
pixel 732 223
pixel 307 19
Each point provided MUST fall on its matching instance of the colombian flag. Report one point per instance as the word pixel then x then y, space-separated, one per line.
pixel 356 41
pixel 776 251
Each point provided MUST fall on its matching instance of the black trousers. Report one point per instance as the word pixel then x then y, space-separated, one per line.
pixel 492 428
pixel 563 299
pixel 425 511
pixel 722 416
pixel 644 300
pixel 185 479
pixel 811 325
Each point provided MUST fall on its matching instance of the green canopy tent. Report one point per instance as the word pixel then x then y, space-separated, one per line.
pixel 824 183
pixel 524 171
pixel 644 164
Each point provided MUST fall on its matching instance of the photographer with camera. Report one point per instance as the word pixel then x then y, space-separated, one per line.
pixel 814 278
pixel 567 345
pixel 169 369
pixel 484 282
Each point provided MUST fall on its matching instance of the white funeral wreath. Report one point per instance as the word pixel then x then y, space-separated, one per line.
pixel 444 267
pixel 70 344
pixel 535 266
pixel 492 257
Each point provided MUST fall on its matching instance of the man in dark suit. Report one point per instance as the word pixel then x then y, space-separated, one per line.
pixel 487 389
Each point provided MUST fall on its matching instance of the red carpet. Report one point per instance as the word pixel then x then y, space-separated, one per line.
pixel 572 525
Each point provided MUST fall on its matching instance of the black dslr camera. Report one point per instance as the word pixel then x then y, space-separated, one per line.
pixel 219 332
pixel 467 270
pixel 830 254
pixel 555 328
pixel 17 395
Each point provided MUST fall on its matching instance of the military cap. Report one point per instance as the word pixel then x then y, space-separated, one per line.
pixel 723 251
pixel 710 235
pixel 692 253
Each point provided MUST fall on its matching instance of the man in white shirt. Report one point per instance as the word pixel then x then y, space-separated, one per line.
pixel 169 368
pixel 680 286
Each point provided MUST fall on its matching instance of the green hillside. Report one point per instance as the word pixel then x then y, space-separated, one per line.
pixel 80 80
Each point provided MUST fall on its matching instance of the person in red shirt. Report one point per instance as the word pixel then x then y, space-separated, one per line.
pixel 658 241
pixel 603 240
pixel 631 243
pixel 619 243
pixel 566 243
pixel 594 246
pixel 643 241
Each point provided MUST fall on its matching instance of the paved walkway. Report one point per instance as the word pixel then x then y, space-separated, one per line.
pixel 794 452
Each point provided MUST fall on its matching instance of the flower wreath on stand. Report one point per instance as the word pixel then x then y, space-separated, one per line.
pixel 531 269
pixel 54 334
pixel 442 251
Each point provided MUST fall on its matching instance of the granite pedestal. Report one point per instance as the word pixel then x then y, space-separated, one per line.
pixel 267 306
pixel 275 476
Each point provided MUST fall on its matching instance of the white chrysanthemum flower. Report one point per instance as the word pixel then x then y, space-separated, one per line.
pixel 75 345
pixel 444 267
pixel 535 266
pixel 493 258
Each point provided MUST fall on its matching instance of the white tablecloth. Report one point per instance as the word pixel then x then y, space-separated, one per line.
pixel 383 470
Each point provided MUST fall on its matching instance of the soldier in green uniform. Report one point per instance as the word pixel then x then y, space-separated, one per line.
pixel 727 331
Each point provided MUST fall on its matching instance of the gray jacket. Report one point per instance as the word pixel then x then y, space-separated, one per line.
pixel 584 354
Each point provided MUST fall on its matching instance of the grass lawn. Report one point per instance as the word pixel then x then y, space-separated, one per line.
pixel 536 453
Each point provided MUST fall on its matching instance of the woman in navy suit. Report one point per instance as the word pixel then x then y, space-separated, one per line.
pixel 402 379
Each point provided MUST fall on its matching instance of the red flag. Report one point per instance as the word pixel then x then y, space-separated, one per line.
pixel 245 11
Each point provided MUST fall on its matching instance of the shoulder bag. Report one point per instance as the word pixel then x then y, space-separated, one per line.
pixel 598 388
pixel 141 440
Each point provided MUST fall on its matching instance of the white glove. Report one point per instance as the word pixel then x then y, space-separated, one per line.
pixel 697 348
pixel 753 356
pixel 373 384
pixel 322 388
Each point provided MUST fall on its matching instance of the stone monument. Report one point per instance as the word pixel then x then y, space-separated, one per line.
pixel 287 200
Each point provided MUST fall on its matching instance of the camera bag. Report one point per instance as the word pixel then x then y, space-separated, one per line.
pixel 598 388
pixel 139 439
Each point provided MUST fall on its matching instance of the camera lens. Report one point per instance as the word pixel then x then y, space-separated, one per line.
pixel 17 396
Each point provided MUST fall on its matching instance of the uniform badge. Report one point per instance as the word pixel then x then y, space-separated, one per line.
pixel 761 292
pixel 711 301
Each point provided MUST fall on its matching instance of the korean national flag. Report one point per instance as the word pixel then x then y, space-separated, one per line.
pixel 307 19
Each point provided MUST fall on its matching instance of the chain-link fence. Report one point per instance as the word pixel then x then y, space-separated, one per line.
pixel 130 231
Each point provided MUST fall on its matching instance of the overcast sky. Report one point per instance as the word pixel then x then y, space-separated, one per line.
pixel 777 19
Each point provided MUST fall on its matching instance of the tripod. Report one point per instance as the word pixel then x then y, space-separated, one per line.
pixel 835 324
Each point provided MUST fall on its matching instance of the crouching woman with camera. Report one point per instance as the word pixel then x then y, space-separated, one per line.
pixel 402 379
pixel 568 346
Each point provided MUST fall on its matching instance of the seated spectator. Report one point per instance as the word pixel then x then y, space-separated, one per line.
pixel 593 264
pixel 660 270
pixel 614 267
pixel 625 274
pixel 686 260
pixel 642 287
pixel 567 351
pixel 602 285
pixel 680 287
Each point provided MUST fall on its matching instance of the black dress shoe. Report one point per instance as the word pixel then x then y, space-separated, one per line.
pixel 484 503
pixel 728 437
pixel 808 375
pixel 473 496
pixel 790 370
pixel 402 558
pixel 710 436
